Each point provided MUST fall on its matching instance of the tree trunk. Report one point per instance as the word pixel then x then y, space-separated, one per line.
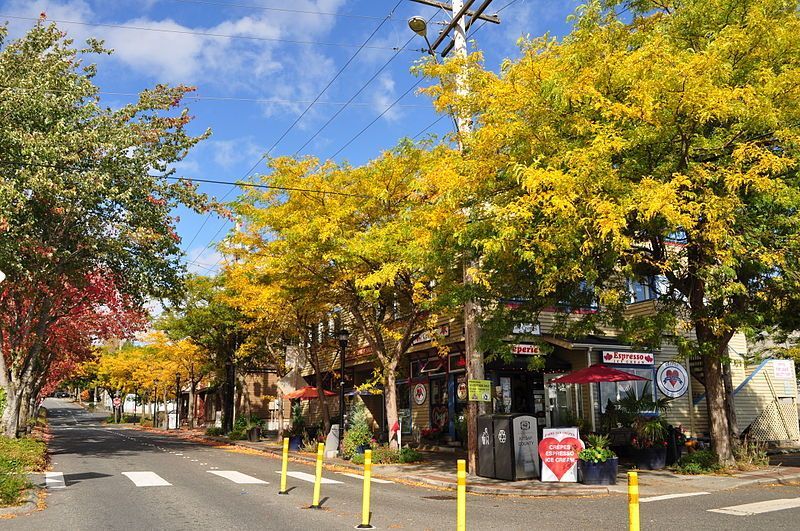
pixel 730 405
pixel 323 404
pixel 192 405
pixel 715 403
pixel 10 418
pixel 390 389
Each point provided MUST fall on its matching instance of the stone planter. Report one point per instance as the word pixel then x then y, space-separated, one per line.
pixel 650 458
pixel 254 434
pixel 599 473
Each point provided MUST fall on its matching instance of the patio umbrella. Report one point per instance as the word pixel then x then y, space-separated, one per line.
pixel 306 393
pixel 596 373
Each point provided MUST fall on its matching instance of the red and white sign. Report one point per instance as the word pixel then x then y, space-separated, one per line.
pixel 559 451
pixel 420 394
pixel 628 358
pixel 525 350
pixel 117 402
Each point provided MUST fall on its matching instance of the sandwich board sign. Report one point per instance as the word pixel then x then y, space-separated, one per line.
pixel 559 449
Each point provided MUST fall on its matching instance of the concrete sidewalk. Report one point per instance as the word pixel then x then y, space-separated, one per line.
pixel 438 469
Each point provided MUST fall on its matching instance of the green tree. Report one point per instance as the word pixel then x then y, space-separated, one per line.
pixel 84 192
pixel 662 142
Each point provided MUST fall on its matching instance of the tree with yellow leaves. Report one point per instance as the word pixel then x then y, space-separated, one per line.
pixel 659 143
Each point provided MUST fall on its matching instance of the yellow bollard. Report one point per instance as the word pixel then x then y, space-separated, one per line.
pixel 633 501
pixel 365 498
pixel 284 466
pixel 461 511
pixel 318 480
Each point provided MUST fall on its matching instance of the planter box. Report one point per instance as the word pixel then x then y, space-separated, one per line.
pixel 650 458
pixel 254 434
pixel 294 442
pixel 599 473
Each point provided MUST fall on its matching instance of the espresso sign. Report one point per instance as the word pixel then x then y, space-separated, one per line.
pixel 525 350
pixel 559 451
pixel 628 358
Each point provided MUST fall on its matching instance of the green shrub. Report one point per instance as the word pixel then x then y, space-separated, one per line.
pixel 409 455
pixel 750 454
pixel 213 430
pixel 244 423
pixel 699 462
pixel 237 435
pixel 357 459
pixel 359 432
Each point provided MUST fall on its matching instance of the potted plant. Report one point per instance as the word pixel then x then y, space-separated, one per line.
pixel 253 428
pixel 597 462
pixel 358 436
pixel 649 442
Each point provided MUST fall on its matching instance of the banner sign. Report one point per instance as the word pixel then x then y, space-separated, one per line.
pixel 559 451
pixel 672 379
pixel 480 390
pixel 628 358
pixel 783 369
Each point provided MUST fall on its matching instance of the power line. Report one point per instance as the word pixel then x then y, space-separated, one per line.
pixel 204 33
pixel 278 9
pixel 439 119
pixel 191 96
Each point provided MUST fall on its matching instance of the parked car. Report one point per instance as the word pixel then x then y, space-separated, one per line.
pixel 62 394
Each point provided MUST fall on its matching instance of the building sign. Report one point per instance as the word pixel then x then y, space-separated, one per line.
pixel 559 451
pixel 461 390
pixel 672 379
pixel 420 394
pixel 521 349
pixel 528 329
pixel 628 358
pixel 783 369
pixel 526 443
pixel 480 390
pixel 428 335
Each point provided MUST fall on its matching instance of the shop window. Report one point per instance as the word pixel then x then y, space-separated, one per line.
pixel 613 391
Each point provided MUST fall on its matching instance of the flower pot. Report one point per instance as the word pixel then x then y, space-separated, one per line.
pixel 294 442
pixel 253 434
pixel 599 473
pixel 650 458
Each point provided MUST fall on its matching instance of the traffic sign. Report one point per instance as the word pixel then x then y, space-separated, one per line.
pixel 117 402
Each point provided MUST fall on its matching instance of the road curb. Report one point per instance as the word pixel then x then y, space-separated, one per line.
pixel 30 504
pixel 527 492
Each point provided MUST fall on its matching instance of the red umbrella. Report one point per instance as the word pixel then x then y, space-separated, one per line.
pixel 596 373
pixel 307 392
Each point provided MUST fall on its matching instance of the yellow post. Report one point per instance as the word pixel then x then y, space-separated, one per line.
pixel 284 466
pixel 318 479
pixel 461 511
pixel 365 498
pixel 633 501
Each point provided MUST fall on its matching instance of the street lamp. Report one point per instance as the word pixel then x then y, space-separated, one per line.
pixel 420 26
pixel 343 336
pixel 155 403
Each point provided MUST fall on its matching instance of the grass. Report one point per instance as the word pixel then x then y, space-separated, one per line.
pixel 17 457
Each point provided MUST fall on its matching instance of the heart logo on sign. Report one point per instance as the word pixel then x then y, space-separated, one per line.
pixel 673 378
pixel 559 456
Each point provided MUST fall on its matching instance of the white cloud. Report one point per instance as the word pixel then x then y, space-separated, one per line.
pixel 229 153
pixel 384 96
pixel 203 260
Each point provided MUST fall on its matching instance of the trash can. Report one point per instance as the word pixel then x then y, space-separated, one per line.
pixel 486 446
pixel 508 447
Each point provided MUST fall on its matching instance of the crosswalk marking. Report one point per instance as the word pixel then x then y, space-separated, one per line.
pixel 358 476
pixel 309 477
pixel 750 509
pixel 54 480
pixel 671 496
pixel 146 479
pixel 237 477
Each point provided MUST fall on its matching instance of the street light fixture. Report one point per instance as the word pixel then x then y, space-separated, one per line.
pixel 420 26
pixel 343 336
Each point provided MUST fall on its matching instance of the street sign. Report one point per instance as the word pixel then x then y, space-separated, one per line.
pixel 479 390
pixel 117 402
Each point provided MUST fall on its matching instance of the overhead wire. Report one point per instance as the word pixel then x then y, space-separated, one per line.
pixel 297 120
pixel 203 33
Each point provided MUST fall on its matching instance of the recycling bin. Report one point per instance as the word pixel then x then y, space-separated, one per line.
pixel 508 447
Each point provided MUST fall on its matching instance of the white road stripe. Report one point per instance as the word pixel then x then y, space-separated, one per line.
pixel 237 477
pixel 357 476
pixel 671 496
pixel 749 509
pixel 54 480
pixel 309 477
pixel 146 479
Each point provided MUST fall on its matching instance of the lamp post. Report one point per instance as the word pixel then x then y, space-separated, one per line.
pixel 177 400
pixel 343 336
pixel 420 26
pixel 155 403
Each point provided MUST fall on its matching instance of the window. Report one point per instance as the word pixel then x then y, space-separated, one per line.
pixel 648 288
pixel 613 391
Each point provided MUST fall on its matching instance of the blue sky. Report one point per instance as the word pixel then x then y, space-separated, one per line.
pixel 253 83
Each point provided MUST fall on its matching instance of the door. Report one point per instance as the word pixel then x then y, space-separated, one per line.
pixel 559 403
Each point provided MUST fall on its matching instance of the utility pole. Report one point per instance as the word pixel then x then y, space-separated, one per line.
pixel 461 20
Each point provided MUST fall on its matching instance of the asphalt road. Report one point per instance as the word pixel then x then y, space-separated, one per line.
pixel 184 485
